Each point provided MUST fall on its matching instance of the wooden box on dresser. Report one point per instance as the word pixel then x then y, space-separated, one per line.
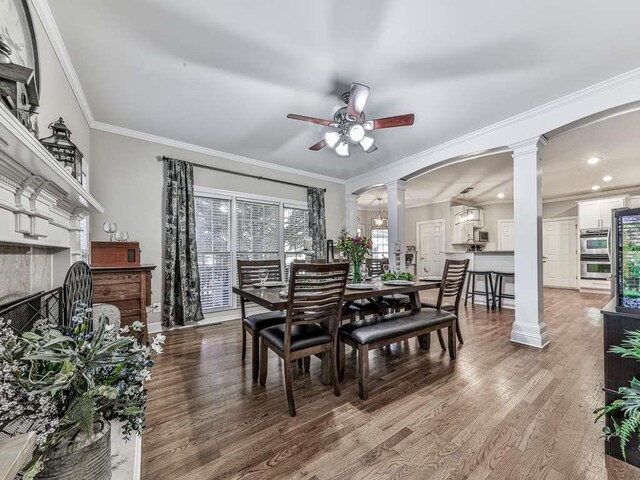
pixel 618 372
pixel 128 288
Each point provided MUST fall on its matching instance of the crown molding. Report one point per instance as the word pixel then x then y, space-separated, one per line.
pixel 51 29
pixel 147 137
pixel 488 130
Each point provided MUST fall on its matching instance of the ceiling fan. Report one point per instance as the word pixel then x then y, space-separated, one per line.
pixel 350 125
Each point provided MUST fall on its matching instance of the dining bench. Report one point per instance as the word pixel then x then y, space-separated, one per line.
pixel 374 332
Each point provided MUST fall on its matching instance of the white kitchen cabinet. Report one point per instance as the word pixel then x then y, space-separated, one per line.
pixel 590 214
pixel 597 213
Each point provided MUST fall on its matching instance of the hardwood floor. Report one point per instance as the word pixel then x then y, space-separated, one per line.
pixel 500 411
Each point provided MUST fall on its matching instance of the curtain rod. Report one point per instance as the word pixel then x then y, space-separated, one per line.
pixel 257 177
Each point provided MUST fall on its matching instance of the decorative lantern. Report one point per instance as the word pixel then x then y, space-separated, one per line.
pixel 64 150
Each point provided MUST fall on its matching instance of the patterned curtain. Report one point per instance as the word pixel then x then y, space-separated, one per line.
pixel 317 222
pixel 181 277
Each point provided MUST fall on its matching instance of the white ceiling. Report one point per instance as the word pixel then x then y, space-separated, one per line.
pixel 224 74
pixel 565 171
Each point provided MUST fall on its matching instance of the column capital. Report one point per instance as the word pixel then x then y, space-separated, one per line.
pixel 529 145
pixel 400 185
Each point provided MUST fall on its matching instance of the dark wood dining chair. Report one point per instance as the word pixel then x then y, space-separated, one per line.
pixel 248 274
pixel 375 266
pixel 392 303
pixel 450 293
pixel 316 292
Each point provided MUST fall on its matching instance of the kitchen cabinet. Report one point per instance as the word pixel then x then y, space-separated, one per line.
pixel 597 213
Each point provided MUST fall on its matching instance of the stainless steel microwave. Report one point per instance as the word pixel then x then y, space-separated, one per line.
pixel 480 236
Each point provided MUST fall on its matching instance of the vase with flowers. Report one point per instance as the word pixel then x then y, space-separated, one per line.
pixel 67 384
pixel 354 248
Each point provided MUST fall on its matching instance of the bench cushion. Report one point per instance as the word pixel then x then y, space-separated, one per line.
pixel 302 336
pixel 372 330
pixel 260 321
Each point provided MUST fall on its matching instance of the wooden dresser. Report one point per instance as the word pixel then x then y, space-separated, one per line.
pixel 128 288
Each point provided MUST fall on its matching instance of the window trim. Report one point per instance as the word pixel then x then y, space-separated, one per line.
pixel 232 196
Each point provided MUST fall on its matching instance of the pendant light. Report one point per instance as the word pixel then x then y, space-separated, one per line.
pixel 378 221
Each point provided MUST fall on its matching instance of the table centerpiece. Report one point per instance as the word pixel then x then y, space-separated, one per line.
pixel 354 248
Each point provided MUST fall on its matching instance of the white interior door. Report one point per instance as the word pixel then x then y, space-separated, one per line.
pixel 559 248
pixel 431 246
pixel 506 235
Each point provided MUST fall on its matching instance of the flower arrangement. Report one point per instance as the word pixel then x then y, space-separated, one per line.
pixel 355 249
pixel 66 380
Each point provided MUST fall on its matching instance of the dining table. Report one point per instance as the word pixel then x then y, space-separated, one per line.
pixel 275 298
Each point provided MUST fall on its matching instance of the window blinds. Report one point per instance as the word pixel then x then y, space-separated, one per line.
pixel 257 230
pixel 295 229
pixel 213 234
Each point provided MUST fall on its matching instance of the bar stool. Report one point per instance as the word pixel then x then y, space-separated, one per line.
pixel 499 295
pixel 488 286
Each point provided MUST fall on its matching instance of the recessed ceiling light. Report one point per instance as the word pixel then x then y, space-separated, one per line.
pixel 595 188
pixel 501 195
pixel 607 178
pixel 593 160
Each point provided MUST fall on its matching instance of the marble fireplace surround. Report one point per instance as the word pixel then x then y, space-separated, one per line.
pixel 24 270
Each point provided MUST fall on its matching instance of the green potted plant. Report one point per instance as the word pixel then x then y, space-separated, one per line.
pixel 354 248
pixel 66 384
pixel 629 402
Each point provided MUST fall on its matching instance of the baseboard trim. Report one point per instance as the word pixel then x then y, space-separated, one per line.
pixel 530 335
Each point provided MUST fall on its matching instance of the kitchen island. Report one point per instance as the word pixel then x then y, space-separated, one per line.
pixel 489 260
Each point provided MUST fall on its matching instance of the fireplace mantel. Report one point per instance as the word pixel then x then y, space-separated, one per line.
pixel 41 206
pixel 46 202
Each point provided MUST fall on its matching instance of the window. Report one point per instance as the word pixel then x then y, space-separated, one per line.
pixel 380 241
pixel 295 228
pixel 257 230
pixel 231 226
pixel 213 234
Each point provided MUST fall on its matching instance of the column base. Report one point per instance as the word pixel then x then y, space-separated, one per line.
pixel 530 335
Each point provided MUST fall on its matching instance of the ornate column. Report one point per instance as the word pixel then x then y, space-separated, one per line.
pixel 529 327
pixel 395 212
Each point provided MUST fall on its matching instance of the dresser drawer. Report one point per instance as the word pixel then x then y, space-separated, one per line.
pixel 115 278
pixel 115 292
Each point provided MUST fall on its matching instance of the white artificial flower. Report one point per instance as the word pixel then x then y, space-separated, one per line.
pixel 109 327
pixel 160 338
pixel 124 330
pixel 156 347
pixel 137 326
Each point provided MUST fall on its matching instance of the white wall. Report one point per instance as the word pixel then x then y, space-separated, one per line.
pixel 423 213
pixel 566 208
pixel 127 178
pixel 56 96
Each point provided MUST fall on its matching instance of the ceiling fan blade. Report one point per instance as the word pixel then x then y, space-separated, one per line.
pixel 390 122
pixel 357 99
pixel 318 146
pixel 319 121
pixel 372 149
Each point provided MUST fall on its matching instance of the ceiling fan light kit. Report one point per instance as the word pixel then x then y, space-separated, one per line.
pixel 350 124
